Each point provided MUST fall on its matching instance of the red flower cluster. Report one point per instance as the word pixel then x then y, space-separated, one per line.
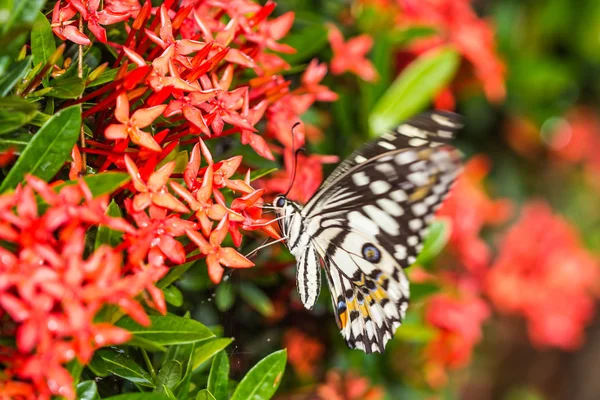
pixel 458 320
pixel 192 77
pixel 544 274
pixel 51 289
pixel 458 24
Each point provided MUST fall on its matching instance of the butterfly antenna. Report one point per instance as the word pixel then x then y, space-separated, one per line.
pixel 295 151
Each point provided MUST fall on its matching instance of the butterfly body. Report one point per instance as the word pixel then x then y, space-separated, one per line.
pixel 367 223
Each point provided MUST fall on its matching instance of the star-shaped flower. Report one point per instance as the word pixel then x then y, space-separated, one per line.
pixel 217 256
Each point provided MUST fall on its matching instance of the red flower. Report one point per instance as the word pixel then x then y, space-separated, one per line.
pixel 350 56
pixel 89 12
pixel 217 256
pixel 188 106
pixel 155 192
pixel 131 127
pixel 64 27
pixel 541 259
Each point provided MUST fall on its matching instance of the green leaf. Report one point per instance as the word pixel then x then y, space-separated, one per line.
pixel 23 12
pixel 257 299
pixel 262 381
pixel 17 141
pixel 414 89
pixel 173 296
pixel 70 87
pixel 98 366
pixel 87 390
pixel 75 369
pixel 103 183
pixel 106 235
pixel 42 40
pixel 139 396
pixel 224 296
pixel 169 375
pixel 14 30
pixel 11 120
pixel 204 394
pixel 168 329
pixel 14 76
pixel 173 274
pixel 48 150
pixel 218 378
pixel 204 351
pixel 183 353
pixel 120 364
pixel 437 238
pixel 419 291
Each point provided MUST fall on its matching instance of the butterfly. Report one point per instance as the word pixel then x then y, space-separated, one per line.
pixel 367 222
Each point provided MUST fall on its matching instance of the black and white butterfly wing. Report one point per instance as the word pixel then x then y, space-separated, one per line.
pixel 368 222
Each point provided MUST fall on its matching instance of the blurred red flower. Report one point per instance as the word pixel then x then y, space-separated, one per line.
pixel 576 138
pixel 544 273
pixel 304 352
pixel 350 55
pixel 348 386
pixel 469 208
pixel 458 24
pixel 458 319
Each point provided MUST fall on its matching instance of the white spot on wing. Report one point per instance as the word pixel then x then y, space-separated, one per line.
pixel 386 169
pixel 400 252
pixel 411 131
pixel 379 187
pixel 360 178
pixel 419 178
pixel 361 223
pixel 390 207
pixel 417 142
pixel 440 119
pixel 406 157
pixel 415 224
pixel 412 240
pixel 384 220
pixel 419 209
pixel 360 159
pixel 398 195
pixel 386 145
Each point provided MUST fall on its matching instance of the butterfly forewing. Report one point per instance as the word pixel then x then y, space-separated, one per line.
pixel 368 221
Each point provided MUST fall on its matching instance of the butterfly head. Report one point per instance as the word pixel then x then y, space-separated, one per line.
pixel 285 211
